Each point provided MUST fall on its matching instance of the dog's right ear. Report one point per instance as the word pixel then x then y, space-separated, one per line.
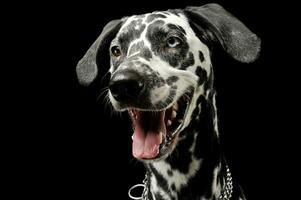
pixel 86 68
pixel 236 39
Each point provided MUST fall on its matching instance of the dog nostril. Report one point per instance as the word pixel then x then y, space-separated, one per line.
pixel 126 86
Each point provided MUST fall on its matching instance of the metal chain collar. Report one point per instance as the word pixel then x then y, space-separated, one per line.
pixel 226 193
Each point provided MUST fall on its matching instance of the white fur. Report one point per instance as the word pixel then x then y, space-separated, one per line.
pixel 178 178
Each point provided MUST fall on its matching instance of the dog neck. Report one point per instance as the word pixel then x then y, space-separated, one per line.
pixel 196 167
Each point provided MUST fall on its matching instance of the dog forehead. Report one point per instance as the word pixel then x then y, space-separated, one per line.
pixel 135 22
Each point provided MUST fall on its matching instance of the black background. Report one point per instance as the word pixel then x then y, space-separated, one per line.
pixel 64 144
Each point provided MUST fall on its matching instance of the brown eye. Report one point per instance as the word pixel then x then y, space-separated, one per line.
pixel 116 51
pixel 173 42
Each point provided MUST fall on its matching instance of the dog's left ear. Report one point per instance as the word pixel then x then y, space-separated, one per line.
pixel 86 68
pixel 236 39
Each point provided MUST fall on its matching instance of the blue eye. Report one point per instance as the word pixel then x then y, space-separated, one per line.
pixel 173 42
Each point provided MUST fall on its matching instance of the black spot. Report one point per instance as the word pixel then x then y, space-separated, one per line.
pixel 169 172
pixel 158 36
pixel 201 55
pixel 129 33
pixel 151 17
pixel 173 187
pixel 170 80
pixel 188 61
pixel 202 74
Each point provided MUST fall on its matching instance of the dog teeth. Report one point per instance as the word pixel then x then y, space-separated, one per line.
pixel 169 122
pixel 161 136
pixel 173 114
pixel 180 121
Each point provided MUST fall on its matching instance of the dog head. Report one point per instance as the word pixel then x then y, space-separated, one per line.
pixel 160 63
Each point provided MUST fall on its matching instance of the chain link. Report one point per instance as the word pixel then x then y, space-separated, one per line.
pixel 144 193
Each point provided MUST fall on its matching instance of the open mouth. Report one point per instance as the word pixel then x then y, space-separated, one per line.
pixel 155 132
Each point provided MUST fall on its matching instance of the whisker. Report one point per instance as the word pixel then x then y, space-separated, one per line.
pixel 104 76
pixel 107 103
pixel 102 92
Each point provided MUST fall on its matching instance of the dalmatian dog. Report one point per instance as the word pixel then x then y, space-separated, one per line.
pixel 161 74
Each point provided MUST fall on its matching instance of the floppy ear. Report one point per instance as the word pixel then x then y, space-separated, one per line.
pixel 86 68
pixel 236 39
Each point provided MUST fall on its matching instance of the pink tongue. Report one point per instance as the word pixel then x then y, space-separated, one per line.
pixel 147 137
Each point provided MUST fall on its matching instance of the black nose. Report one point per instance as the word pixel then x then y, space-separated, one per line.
pixel 126 85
